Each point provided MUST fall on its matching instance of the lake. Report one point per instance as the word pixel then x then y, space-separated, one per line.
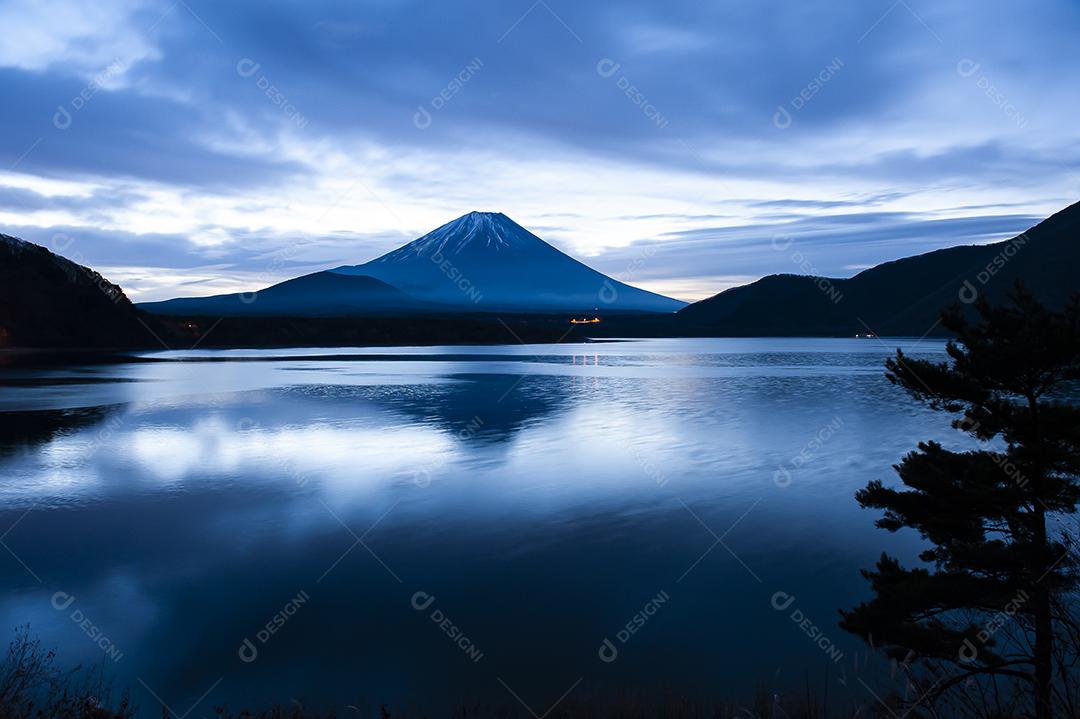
pixel 426 526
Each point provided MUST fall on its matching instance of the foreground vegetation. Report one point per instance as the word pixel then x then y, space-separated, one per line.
pixel 34 686
pixel 990 628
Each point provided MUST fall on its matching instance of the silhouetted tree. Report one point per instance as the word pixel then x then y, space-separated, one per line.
pixel 997 593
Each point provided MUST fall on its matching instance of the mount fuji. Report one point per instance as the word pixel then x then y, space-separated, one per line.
pixel 480 262
pixel 486 260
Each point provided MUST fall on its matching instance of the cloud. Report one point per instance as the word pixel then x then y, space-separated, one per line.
pixel 153 266
pixel 120 134
pixel 832 245
pixel 76 38
pixel 230 129
pixel 23 200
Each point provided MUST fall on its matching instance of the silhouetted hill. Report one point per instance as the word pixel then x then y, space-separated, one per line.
pixel 49 301
pixel 321 294
pixel 903 297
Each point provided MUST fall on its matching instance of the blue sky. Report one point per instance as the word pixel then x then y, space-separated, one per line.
pixel 187 147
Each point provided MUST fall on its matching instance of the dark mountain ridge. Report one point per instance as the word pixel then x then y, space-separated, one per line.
pixel 902 297
pixel 49 301
pixel 321 294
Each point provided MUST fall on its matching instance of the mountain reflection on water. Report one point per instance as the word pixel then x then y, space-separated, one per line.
pixel 541 496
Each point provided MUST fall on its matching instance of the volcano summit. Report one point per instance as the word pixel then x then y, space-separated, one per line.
pixel 480 262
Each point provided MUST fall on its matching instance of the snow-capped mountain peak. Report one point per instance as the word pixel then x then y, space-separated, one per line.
pixel 472 232
pixel 486 261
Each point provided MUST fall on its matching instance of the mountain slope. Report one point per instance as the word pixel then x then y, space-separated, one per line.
pixel 903 297
pixel 321 294
pixel 49 301
pixel 480 262
pixel 486 261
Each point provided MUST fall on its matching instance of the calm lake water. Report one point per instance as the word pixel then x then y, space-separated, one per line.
pixel 423 526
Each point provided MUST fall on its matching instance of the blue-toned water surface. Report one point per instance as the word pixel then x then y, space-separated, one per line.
pixel 423 526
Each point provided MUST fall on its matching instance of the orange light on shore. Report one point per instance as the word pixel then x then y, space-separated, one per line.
pixel 584 321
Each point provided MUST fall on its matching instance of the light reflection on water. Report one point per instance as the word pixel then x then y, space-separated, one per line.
pixel 543 495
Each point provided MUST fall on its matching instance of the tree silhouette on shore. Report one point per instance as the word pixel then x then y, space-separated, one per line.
pixel 989 621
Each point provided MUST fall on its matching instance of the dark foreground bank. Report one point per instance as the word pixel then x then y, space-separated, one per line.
pixel 34 685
